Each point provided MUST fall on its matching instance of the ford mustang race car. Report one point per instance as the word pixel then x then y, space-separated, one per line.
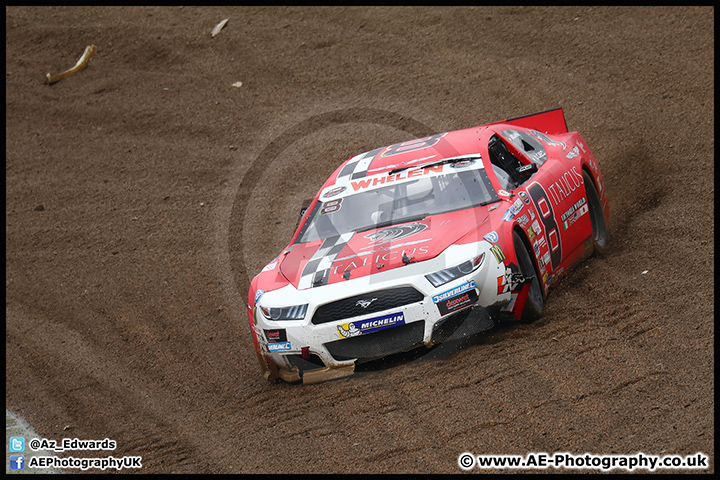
pixel 427 241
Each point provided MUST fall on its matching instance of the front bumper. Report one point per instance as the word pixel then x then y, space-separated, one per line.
pixel 405 312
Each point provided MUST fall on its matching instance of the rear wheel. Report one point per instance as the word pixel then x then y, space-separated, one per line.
pixel 534 303
pixel 597 218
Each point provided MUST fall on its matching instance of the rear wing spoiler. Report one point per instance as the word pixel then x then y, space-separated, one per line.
pixel 549 121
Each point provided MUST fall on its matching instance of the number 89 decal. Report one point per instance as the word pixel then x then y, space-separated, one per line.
pixel 542 203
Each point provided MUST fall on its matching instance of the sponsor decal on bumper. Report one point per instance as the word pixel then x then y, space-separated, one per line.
pixel 454 291
pixel 277 340
pixel 457 302
pixel 279 347
pixel 456 298
pixel 362 327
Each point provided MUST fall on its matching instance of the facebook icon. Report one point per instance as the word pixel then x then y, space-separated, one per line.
pixel 17 462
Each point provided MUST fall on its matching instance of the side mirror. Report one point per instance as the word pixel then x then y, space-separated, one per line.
pixel 306 205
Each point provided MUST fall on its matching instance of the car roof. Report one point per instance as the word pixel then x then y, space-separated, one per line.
pixel 441 146
pixel 410 153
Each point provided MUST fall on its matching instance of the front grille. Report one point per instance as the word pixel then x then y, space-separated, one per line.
pixel 379 300
pixel 376 345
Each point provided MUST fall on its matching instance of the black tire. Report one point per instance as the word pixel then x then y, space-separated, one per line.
pixel 597 218
pixel 534 303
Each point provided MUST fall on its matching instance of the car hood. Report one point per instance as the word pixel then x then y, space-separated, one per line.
pixel 355 254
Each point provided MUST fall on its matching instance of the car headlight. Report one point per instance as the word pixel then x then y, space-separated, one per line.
pixel 295 312
pixel 449 274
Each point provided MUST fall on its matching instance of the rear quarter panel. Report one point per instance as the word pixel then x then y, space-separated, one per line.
pixel 556 222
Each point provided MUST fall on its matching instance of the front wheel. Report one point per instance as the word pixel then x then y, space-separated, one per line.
pixel 534 303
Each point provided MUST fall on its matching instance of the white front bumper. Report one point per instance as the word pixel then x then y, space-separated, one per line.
pixel 278 339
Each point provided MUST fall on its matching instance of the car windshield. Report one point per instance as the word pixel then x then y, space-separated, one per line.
pixel 398 203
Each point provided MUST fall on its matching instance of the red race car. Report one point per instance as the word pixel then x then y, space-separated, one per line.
pixel 426 241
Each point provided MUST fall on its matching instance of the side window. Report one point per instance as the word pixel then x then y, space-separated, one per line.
pixel 528 144
pixel 504 161
pixel 500 157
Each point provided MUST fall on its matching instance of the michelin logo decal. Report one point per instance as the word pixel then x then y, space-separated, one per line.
pixel 370 325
